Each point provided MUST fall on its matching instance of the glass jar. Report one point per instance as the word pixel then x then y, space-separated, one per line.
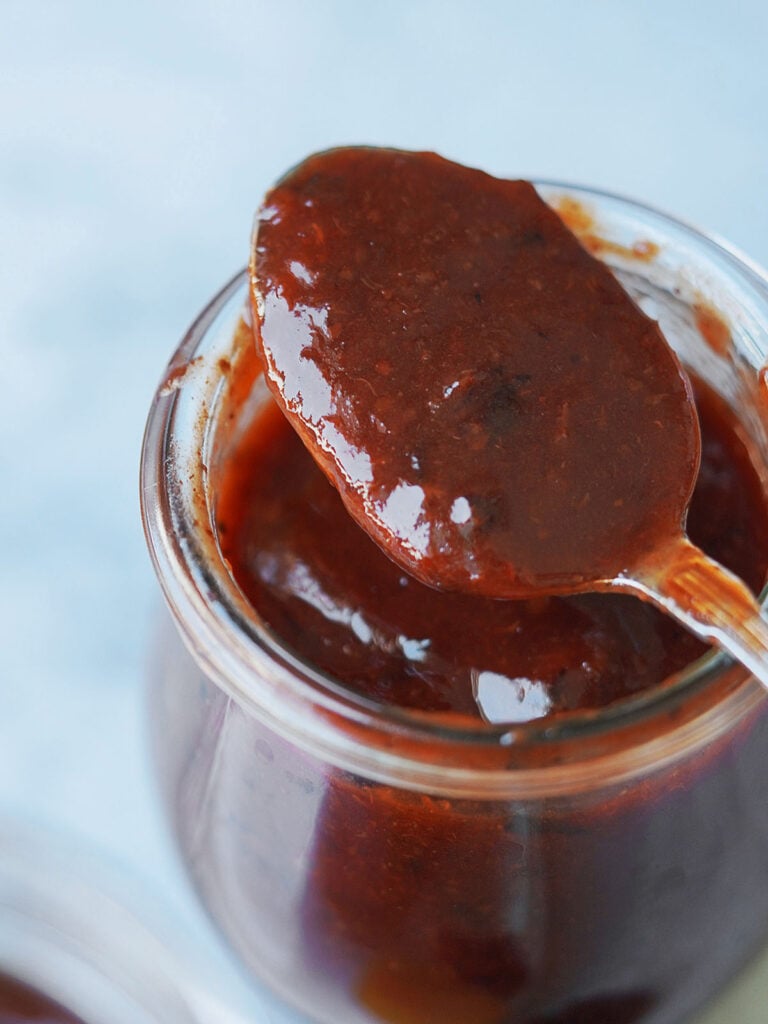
pixel 376 864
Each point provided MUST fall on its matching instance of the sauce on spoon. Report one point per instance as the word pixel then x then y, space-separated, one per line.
pixel 494 409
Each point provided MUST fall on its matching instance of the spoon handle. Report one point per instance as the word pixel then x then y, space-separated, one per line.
pixel 707 599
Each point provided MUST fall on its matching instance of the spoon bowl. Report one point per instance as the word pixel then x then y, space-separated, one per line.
pixel 492 406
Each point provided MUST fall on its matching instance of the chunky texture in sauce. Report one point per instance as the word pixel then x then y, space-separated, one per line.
pixel 493 407
pixel 330 593
pixel 19 1003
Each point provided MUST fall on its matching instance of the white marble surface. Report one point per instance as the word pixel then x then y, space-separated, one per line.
pixel 136 140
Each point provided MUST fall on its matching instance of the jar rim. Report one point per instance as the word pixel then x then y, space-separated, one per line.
pixel 230 641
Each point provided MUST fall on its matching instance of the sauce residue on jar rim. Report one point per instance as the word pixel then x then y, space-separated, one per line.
pixel 580 219
pixel 713 327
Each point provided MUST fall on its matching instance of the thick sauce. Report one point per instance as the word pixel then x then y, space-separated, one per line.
pixel 426 910
pixel 617 904
pixel 493 407
pixel 19 1003
pixel 330 593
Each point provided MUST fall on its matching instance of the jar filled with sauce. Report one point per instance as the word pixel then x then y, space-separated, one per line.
pixel 414 808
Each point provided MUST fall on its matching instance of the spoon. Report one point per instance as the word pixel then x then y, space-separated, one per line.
pixel 494 409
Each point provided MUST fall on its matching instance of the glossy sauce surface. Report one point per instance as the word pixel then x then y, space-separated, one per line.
pixel 331 594
pixel 493 407
pixel 19 1003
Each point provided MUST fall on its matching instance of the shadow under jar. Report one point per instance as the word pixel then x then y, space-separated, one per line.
pixel 372 862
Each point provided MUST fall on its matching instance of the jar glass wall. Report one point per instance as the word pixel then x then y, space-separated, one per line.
pixel 376 864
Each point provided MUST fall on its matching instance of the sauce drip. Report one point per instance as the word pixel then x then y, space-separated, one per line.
pixel 494 409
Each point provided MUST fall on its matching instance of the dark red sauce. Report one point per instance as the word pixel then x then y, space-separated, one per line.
pixel 608 907
pixel 494 408
pixel 19 1003
pixel 330 593
pixel 618 903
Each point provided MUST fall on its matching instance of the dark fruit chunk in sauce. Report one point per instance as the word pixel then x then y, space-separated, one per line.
pixel 343 606
pixel 493 407
pixel 19 1003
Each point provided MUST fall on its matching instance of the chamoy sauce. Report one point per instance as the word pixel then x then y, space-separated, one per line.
pixel 494 408
pixel 427 910
pixel 620 900
pixel 337 600
pixel 19 1004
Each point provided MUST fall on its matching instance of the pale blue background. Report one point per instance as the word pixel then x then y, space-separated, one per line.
pixel 135 141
